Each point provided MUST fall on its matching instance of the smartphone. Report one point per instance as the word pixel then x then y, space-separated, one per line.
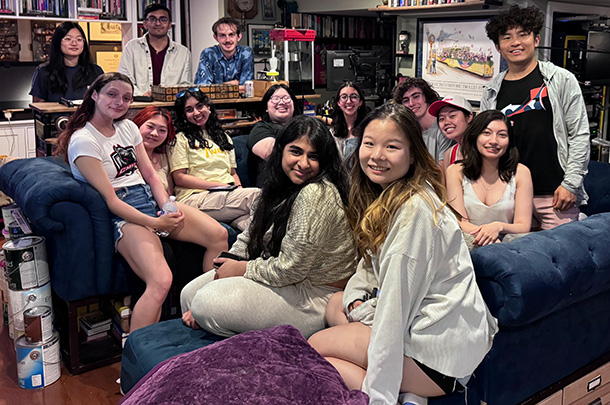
pixel 227 255
pixel 228 187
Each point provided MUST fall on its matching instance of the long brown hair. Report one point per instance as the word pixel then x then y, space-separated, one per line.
pixel 85 111
pixel 371 207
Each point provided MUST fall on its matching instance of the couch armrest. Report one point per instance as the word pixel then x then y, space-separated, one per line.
pixel 73 218
pixel 527 279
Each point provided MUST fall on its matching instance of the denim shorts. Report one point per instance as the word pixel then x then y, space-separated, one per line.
pixel 140 197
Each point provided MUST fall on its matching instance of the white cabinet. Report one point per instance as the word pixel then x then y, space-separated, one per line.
pixel 18 139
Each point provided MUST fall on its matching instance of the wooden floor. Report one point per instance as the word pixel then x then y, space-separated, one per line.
pixel 96 387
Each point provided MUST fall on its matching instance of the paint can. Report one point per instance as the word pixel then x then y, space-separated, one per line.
pixel 7 214
pixel 26 263
pixel 38 364
pixel 249 88
pixel 15 231
pixel 38 324
pixel 21 301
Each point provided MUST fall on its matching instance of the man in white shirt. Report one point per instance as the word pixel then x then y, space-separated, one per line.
pixel 155 59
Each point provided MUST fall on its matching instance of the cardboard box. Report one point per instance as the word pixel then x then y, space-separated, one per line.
pixel 261 86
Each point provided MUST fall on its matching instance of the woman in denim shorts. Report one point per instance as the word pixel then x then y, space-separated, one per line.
pixel 105 150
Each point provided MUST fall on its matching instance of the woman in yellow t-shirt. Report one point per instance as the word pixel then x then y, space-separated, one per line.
pixel 202 163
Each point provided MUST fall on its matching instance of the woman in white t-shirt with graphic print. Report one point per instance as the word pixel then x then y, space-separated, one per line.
pixel 105 150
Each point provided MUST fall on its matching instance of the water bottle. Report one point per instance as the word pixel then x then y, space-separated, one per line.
pixel 169 207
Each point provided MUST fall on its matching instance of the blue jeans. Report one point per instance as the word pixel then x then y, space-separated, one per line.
pixel 140 197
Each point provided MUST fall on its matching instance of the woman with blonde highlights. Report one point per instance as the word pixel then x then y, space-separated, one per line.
pixel 413 300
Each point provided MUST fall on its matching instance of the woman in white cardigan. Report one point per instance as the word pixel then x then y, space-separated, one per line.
pixel 417 321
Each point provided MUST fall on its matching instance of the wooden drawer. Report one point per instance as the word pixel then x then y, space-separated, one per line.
pixel 600 396
pixel 555 399
pixel 584 387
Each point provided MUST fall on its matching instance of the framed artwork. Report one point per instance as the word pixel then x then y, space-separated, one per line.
pixel 106 55
pixel 105 31
pixel 456 57
pixel 268 10
pixel 259 40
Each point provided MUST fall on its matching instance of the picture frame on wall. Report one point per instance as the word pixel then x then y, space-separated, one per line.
pixel 105 31
pixel 259 40
pixel 268 10
pixel 456 57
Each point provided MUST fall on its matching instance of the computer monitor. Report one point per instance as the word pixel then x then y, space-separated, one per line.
pixel 16 82
pixel 597 57
pixel 339 68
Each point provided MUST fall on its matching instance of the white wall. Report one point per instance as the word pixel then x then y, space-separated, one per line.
pixel 202 15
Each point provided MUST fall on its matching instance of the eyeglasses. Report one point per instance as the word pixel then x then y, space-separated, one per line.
pixel 151 19
pixel 189 90
pixel 354 98
pixel 80 40
pixel 277 99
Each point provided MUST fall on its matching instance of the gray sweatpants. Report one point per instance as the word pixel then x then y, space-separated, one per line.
pixel 233 305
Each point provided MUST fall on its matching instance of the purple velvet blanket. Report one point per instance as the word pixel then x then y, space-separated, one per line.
pixel 273 366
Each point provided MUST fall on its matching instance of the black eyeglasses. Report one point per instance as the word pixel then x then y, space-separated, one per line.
pixel 189 90
pixel 354 98
pixel 152 20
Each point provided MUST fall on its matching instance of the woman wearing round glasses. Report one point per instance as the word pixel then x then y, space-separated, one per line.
pixel 69 70
pixel 280 105
pixel 203 163
pixel 349 109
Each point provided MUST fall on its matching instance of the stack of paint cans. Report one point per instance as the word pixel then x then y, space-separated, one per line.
pixel 38 359
pixel 30 312
pixel 27 275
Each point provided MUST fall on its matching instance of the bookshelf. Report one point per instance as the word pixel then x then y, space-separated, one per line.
pixel 338 32
pixel 128 13
pixel 446 7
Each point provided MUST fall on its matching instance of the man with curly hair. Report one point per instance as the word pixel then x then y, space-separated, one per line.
pixel 416 94
pixel 546 107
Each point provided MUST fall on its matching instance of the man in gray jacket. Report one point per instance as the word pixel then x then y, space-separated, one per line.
pixel 546 107
pixel 154 58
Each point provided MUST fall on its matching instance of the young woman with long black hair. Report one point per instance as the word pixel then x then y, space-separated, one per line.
pixel 297 251
pixel 69 70
pixel 203 164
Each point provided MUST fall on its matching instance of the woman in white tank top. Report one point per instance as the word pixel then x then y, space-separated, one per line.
pixel 490 189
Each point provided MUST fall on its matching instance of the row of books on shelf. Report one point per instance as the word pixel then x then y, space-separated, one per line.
pixel 55 8
pixel 99 9
pixel 113 322
pixel 341 26
pixel 410 3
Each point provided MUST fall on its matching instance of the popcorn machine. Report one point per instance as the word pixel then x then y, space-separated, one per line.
pixel 294 50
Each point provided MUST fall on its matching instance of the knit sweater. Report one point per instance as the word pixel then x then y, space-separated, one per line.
pixel 318 245
pixel 429 306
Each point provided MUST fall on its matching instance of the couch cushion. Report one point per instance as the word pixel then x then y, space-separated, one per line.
pixel 273 366
pixel 529 278
pixel 149 346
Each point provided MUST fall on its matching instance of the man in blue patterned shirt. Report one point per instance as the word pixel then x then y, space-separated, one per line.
pixel 226 62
